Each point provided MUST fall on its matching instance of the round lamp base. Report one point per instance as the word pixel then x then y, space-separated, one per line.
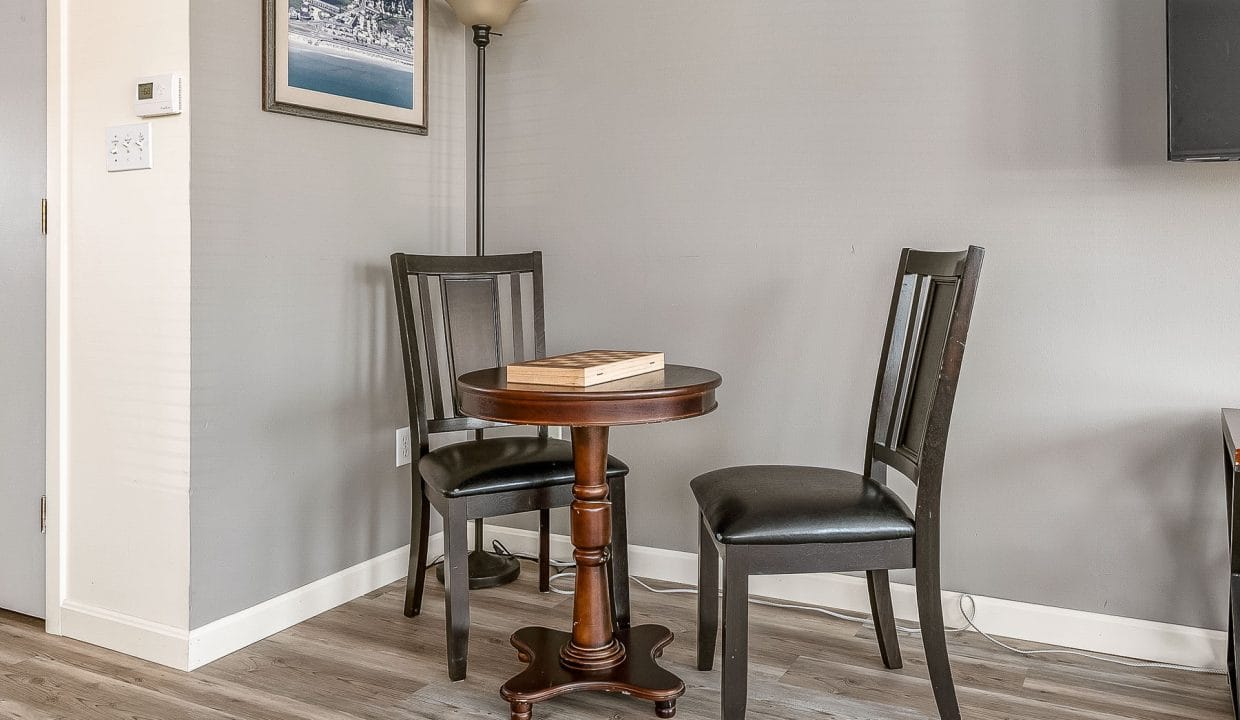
pixel 487 570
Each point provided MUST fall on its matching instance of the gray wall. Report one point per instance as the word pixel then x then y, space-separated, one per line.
pixel 731 182
pixel 297 386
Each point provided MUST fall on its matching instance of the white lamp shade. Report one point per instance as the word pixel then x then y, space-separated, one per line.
pixel 484 12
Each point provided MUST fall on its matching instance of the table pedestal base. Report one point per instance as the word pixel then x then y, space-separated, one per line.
pixel 637 675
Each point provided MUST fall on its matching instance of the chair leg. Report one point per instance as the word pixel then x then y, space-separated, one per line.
pixel 933 638
pixel 707 598
pixel 733 687
pixel 419 532
pixel 618 567
pixel 884 618
pixel 1233 590
pixel 544 550
pixel 1233 641
pixel 456 589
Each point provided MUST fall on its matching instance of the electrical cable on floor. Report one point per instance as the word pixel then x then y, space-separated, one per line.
pixel 968 618
pixel 867 621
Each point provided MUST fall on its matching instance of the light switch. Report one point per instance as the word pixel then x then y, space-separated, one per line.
pixel 128 147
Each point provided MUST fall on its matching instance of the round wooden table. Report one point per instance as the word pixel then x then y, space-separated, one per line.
pixel 595 655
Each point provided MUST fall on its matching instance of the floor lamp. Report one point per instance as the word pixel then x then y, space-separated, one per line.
pixel 486 569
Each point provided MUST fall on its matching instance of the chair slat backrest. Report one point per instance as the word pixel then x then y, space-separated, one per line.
pixel 458 314
pixel 926 331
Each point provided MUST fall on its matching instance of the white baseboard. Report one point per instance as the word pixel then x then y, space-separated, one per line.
pixel 187 650
pixel 226 635
pixel 163 644
pixel 1094 632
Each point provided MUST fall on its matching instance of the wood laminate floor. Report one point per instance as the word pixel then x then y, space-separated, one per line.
pixel 365 660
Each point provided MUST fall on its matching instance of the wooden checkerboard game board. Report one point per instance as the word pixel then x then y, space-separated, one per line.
pixel 582 369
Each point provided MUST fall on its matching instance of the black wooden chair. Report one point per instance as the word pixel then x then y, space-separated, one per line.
pixel 458 314
pixel 1231 475
pixel 771 519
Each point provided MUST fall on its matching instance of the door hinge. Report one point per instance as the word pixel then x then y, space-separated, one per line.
pixel 43 514
pixel 43 216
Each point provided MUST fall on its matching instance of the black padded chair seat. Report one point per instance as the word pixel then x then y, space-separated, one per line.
pixel 500 464
pixel 783 505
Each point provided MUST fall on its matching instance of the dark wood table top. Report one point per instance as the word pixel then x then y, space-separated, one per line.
pixel 673 393
pixel 1231 432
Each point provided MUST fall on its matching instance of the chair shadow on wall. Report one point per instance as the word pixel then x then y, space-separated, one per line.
pixel 372 406
pixel 1165 495
pixel 379 378
pixel 1181 463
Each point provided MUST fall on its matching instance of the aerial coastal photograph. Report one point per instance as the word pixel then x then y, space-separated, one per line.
pixel 362 49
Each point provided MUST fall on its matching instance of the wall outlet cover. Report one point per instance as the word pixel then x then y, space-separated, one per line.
pixel 404 447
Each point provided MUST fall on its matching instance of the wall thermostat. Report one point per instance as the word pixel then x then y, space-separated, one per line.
pixel 157 95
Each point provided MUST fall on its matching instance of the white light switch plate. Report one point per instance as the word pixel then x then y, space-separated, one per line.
pixel 128 147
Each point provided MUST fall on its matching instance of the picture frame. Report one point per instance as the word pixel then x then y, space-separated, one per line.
pixel 361 62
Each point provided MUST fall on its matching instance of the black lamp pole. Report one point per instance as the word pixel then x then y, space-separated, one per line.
pixel 486 569
pixel 482 38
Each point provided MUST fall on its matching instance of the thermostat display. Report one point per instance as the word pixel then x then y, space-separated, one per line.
pixel 158 95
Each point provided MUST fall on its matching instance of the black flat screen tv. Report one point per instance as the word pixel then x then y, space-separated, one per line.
pixel 1203 80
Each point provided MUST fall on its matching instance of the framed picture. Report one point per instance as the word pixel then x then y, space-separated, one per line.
pixel 353 61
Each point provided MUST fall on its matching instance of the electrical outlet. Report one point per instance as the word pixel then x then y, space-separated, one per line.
pixel 404 447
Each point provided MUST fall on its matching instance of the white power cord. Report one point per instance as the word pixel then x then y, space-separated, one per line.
pixel 968 618
pixel 867 621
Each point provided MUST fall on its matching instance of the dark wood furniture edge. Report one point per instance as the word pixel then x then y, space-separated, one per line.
pixel 1231 431
pixel 546 405
pixel 1231 468
pixel 579 413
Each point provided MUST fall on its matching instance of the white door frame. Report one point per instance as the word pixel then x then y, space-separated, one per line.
pixel 57 444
